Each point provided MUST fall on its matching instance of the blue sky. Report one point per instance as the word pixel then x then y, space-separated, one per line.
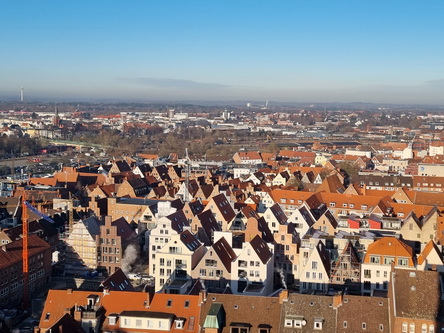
pixel 295 51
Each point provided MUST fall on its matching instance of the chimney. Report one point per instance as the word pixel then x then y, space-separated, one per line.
pixel 77 313
pixel 283 296
pixel 69 291
pixel 337 299
pixel 203 296
pixel 149 299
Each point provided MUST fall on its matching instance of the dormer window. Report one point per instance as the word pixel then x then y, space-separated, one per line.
pixel 179 323
pixel 112 320
pixel 318 323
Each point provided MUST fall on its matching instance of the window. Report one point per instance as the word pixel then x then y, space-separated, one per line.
pixel 169 303
pixel 431 329
pixel 412 328
pixel 138 322
pixel 187 304
pixel 288 323
pixel 332 204
pixel 112 320
pixel 314 265
pixel 367 273
pixel 403 262
pixel 424 328
pixel 375 259
pixel 344 324
pixel 364 326
pixel 317 324
pixel 404 327
pixel 203 272
pixel 381 327
pixel 239 330
pixel 298 323
pixel 179 323
pixel 388 260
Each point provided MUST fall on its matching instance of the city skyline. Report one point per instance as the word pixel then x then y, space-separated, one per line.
pixel 291 51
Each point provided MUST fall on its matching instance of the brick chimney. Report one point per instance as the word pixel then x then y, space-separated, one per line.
pixel 283 296
pixel 149 299
pixel 203 294
pixel 337 299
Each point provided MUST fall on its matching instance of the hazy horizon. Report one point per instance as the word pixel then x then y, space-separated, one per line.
pixel 290 51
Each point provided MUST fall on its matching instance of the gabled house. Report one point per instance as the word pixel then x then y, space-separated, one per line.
pixel 113 240
pixel 82 249
pixel 377 263
pixel 286 254
pixel 421 230
pixel 430 258
pixel 314 268
pixel 252 271
pixel 346 270
pixel 175 262
pixel 281 179
pixel 119 166
pixel 275 216
pixel 303 220
pixel 142 170
pixel 326 223
pixel 214 269
pixel 203 226
pixel 222 211
pixel 165 228
pixel 193 208
pixel 133 188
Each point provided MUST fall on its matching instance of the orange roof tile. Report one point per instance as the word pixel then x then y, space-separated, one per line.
pixel 389 246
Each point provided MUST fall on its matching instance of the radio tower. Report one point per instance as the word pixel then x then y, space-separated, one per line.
pixel 21 94
pixel 25 254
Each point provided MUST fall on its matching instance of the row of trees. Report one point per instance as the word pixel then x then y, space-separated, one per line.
pixel 15 145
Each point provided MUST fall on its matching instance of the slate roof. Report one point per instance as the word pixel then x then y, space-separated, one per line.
pixel 261 249
pixel 225 252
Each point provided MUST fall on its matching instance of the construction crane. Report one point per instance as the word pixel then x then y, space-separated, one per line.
pixel 26 207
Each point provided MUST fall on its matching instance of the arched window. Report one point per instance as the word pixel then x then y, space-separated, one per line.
pixel 424 328
pixel 412 328
pixel 432 329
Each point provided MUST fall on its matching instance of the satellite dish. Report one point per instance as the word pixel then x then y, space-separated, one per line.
pixel 304 322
